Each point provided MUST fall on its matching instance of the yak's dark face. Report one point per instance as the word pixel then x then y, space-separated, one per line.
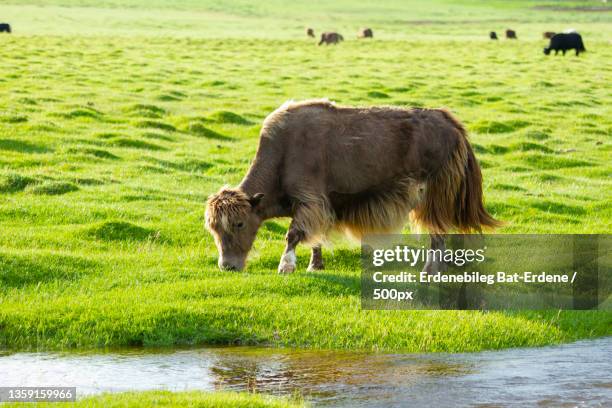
pixel 233 222
pixel 546 51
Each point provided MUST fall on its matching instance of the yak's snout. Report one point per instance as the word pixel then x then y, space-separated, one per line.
pixel 231 263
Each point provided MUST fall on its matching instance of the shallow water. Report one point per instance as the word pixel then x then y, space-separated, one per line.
pixel 577 374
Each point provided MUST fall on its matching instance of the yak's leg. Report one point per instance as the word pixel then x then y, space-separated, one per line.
pixel 312 218
pixel 288 260
pixel 316 259
pixel 433 264
pixel 564 51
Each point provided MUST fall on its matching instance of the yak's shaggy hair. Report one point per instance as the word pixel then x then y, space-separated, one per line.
pixel 227 204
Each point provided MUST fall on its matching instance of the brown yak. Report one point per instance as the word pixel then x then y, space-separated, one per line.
pixel 548 35
pixel 359 170
pixel 330 38
pixel 511 34
pixel 310 32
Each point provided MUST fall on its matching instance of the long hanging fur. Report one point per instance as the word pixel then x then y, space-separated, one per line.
pixel 453 198
pixel 385 211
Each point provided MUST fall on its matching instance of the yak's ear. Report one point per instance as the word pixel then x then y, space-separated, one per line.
pixel 255 199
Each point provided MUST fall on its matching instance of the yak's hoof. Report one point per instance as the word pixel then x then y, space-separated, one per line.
pixel 286 268
pixel 287 263
pixel 315 267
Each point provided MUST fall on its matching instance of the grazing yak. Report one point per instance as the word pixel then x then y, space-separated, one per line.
pixel 356 170
pixel 563 42
pixel 548 34
pixel 5 28
pixel 310 32
pixel 330 38
pixel 493 35
pixel 511 34
pixel 365 33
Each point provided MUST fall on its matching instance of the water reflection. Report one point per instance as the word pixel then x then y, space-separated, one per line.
pixel 576 374
pixel 323 376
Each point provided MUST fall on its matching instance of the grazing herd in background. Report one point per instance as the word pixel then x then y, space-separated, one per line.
pixel 334 38
pixel 567 40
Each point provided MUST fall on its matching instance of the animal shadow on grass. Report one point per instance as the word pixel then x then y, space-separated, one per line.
pixel 19 270
pixel 318 282
pixel 21 147
pixel 338 284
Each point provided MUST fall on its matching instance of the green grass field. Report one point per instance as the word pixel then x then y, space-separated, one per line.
pixel 119 118
pixel 174 399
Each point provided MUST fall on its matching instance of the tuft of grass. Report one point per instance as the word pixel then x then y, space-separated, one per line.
pixel 229 117
pixel 154 124
pixel 200 130
pixel 550 162
pixel 51 188
pixel 497 126
pixel 13 183
pixel 146 110
pixel 81 113
pixel 20 146
pixel 377 95
pixel 507 187
pixel 13 118
pixel 99 153
pixel 537 135
pixel 530 147
pixel 120 231
pixel 135 144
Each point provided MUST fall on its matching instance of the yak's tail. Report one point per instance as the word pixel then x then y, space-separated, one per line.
pixel 453 196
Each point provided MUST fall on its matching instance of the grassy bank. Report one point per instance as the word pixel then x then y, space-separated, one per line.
pixel 174 399
pixel 111 141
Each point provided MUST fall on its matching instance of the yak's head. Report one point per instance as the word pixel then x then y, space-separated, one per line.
pixel 232 219
pixel 546 51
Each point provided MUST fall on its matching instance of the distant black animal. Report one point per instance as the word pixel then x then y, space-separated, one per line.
pixel 563 42
pixel 310 32
pixel 5 28
pixel 365 33
pixel 511 34
pixel 493 35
